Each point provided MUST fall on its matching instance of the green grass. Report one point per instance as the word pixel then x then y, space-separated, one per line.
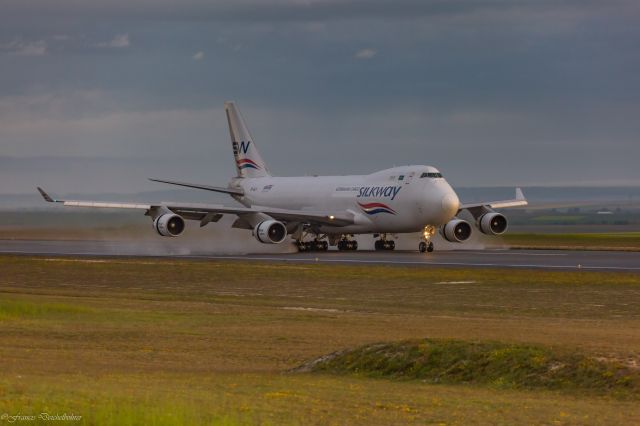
pixel 298 399
pixel 501 365
pixel 163 341
pixel 552 219
pixel 21 309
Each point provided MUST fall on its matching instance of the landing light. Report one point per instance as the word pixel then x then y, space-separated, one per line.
pixel 331 217
pixel 429 231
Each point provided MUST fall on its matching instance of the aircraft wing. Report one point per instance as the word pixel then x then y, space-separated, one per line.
pixel 518 201
pixel 203 211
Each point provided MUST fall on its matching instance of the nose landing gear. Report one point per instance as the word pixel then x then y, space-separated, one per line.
pixel 428 247
pixel 426 244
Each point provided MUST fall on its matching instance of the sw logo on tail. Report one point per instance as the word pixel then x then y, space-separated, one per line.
pixel 241 147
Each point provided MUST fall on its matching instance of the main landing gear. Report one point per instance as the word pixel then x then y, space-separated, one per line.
pixel 314 245
pixel 384 244
pixel 346 244
pixel 426 244
pixel 303 242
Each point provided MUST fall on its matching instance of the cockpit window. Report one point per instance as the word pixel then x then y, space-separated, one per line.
pixel 431 175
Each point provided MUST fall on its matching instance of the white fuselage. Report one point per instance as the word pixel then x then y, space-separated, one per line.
pixel 396 200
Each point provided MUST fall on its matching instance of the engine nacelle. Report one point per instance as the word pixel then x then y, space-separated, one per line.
pixel 169 225
pixel 270 232
pixel 492 223
pixel 456 231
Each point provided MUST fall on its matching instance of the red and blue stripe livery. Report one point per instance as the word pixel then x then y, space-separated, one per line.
pixel 375 208
pixel 244 163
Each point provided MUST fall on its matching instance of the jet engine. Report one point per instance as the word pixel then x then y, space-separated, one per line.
pixel 169 225
pixel 492 223
pixel 456 231
pixel 270 232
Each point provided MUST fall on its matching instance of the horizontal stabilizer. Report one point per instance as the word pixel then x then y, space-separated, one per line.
pixel 199 186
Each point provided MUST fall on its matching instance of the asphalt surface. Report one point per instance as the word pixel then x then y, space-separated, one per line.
pixel 535 259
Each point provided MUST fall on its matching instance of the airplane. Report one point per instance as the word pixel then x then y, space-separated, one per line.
pixel 316 212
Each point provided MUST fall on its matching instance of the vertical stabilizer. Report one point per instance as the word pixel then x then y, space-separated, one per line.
pixel 249 163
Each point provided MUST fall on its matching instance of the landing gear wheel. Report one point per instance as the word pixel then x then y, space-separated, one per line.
pixel 428 247
pixel 385 245
pixel 320 245
pixel 312 245
pixel 347 245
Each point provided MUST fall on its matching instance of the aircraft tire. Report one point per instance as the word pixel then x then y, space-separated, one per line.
pixel 347 245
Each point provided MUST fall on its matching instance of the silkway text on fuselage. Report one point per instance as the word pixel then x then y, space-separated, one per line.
pixel 379 191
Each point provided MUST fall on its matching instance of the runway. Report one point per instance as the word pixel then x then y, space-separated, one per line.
pixel 533 259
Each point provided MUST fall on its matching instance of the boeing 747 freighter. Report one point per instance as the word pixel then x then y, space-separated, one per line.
pixel 321 211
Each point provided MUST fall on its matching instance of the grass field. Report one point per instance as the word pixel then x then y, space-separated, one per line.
pixel 626 241
pixel 148 341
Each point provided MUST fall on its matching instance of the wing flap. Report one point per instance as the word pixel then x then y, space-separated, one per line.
pixel 324 218
pixel 98 204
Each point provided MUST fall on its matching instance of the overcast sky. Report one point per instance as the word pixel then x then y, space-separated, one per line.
pixel 97 95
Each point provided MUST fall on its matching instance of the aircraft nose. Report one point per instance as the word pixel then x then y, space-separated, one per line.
pixel 450 204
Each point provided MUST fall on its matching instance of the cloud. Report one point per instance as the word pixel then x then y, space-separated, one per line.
pixel 286 10
pixel 229 43
pixel 25 48
pixel 476 77
pixel 365 53
pixel 92 122
pixel 119 41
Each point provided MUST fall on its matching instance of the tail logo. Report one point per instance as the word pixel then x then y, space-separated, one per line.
pixel 241 147
pixel 375 208
pixel 245 163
